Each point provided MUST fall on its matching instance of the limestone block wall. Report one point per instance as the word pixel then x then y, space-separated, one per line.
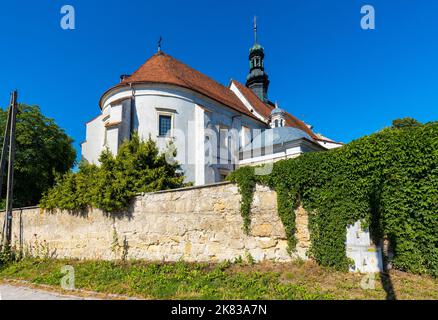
pixel 195 224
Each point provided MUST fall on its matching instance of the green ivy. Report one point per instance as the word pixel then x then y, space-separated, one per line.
pixel 388 180
pixel 246 180
pixel 246 184
pixel 287 204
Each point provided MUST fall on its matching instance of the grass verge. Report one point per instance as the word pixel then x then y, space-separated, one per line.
pixel 289 281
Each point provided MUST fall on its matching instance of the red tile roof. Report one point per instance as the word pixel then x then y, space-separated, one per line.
pixel 265 109
pixel 162 68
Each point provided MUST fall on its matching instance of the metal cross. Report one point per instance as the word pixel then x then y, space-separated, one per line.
pixel 159 44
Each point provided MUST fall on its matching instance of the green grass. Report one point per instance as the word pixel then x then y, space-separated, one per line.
pixel 280 281
pixel 161 281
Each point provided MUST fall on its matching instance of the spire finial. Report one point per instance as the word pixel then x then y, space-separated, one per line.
pixel 159 43
pixel 255 29
pixel 276 104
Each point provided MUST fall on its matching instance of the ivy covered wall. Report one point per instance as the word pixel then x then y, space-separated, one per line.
pixel 389 180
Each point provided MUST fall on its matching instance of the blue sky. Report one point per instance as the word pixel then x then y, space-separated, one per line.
pixel 324 69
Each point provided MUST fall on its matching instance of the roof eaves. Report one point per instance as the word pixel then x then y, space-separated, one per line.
pixel 235 108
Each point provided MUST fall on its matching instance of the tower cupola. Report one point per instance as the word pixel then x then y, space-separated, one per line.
pixel 257 79
pixel 278 117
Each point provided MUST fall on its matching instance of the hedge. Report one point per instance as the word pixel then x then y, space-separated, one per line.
pixel 138 167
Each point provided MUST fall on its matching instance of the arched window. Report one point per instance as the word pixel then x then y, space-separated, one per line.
pixel 276 123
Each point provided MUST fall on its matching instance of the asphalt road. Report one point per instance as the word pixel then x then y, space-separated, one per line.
pixel 8 292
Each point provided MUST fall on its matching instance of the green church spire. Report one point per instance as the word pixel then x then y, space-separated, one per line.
pixel 255 30
pixel 257 79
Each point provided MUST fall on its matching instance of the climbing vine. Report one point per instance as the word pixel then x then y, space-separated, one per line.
pixel 287 203
pixel 246 180
pixel 388 180
pixel 246 184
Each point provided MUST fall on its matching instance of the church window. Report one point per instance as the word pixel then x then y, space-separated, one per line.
pixel 223 143
pixel 223 174
pixel 223 136
pixel 105 137
pixel 276 123
pixel 245 136
pixel 165 125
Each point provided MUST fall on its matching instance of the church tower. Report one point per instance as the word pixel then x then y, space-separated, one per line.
pixel 257 79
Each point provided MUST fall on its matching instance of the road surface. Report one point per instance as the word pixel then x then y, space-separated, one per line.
pixel 9 292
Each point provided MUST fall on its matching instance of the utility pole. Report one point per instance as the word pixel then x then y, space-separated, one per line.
pixel 3 162
pixel 9 142
pixel 5 145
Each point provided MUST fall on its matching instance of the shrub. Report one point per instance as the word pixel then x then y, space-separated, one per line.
pixel 8 255
pixel 138 167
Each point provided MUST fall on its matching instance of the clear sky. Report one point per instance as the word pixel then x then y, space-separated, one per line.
pixel 324 69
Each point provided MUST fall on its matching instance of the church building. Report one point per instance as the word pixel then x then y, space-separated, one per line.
pixel 214 128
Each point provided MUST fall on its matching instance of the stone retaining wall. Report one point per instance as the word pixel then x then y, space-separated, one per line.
pixel 194 224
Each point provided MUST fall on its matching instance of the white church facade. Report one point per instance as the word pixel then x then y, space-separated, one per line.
pixel 214 128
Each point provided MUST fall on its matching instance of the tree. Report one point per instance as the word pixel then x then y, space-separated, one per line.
pixel 405 123
pixel 43 150
pixel 138 167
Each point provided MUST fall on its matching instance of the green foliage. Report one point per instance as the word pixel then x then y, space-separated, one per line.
pixel 5 257
pixel 247 182
pixel 9 255
pixel 405 123
pixel 138 167
pixel 165 280
pixel 43 150
pixel 226 280
pixel 389 180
